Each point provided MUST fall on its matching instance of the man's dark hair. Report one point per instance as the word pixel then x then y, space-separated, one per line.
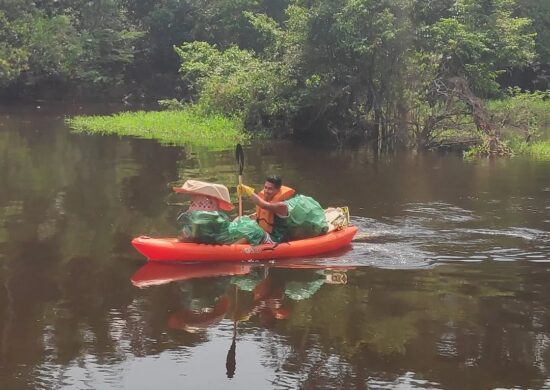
pixel 275 180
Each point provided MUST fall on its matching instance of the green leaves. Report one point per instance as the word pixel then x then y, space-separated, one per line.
pixel 233 82
pixel 13 58
pixel 89 43
pixel 360 66
pixel 479 42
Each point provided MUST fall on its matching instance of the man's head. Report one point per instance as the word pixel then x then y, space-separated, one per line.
pixel 272 186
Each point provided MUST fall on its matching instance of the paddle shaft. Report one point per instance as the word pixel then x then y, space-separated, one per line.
pixel 239 156
pixel 240 197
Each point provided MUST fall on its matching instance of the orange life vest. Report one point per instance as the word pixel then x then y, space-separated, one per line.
pixel 265 217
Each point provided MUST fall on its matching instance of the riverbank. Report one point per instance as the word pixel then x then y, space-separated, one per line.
pixel 523 121
pixel 521 125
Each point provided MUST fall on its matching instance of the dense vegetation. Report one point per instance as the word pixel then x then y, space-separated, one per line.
pixel 169 127
pixel 393 71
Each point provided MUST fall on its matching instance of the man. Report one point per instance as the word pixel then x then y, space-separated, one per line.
pixel 283 214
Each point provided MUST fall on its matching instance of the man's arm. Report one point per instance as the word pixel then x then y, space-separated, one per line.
pixel 278 208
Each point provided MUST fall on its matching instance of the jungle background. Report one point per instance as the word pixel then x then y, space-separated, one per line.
pixel 418 73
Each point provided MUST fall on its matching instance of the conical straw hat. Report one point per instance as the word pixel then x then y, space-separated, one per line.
pixel 218 191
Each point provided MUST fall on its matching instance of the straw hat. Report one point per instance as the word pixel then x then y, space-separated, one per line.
pixel 194 321
pixel 218 191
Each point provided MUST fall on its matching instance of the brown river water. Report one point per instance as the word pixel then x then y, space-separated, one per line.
pixel 448 287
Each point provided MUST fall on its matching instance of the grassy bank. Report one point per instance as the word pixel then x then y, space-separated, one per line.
pixel 539 150
pixel 524 122
pixel 187 126
pixel 527 109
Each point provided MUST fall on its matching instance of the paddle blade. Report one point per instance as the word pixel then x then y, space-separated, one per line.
pixel 239 156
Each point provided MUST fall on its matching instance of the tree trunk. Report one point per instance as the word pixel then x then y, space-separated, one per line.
pixel 493 144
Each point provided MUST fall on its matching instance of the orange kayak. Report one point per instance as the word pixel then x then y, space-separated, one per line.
pixel 170 249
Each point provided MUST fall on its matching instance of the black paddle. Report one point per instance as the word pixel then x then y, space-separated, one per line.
pixel 239 156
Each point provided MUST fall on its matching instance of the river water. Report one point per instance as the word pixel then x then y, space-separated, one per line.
pixel 447 287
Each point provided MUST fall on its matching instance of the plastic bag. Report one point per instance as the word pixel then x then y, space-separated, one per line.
pixel 244 227
pixel 299 291
pixel 247 282
pixel 337 218
pixel 205 227
pixel 306 218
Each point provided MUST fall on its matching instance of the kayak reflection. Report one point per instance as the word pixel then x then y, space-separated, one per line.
pixel 154 274
pixel 245 292
pixel 259 290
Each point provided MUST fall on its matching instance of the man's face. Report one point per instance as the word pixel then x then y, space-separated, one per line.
pixel 270 190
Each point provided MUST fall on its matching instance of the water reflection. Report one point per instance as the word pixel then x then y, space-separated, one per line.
pixel 384 328
pixel 448 287
pixel 244 292
pixel 250 291
pixel 154 274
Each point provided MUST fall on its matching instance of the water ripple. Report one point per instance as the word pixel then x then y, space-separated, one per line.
pixel 388 246
pixel 516 232
pixel 415 239
pixel 440 211
pixel 405 381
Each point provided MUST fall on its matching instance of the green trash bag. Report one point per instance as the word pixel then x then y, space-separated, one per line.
pixel 306 218
pixel 298 291
pixel 205 227
pixel 244 227
pixel 246 283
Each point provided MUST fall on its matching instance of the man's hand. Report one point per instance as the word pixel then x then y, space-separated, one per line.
pixel 244 190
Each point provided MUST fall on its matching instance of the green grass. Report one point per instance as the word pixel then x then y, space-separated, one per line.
pixel 538 150
pixel 184 127
pixel 473 152
pixel 525 106
pixel 523 116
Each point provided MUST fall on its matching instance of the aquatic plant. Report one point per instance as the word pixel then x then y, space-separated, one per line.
pixel 183 127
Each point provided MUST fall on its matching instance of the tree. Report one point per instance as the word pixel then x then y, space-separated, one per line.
pixel 235 82
pixel 465 53
pixel 82 43
pixel 13 58
pixel 479 41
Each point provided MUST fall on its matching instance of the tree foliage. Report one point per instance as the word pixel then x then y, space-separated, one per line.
pixel 83 44
pixel 13 59
pixel 235 82
pixel 479 41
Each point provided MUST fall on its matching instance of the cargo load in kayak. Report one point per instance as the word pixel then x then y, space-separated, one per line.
pixel 171 249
